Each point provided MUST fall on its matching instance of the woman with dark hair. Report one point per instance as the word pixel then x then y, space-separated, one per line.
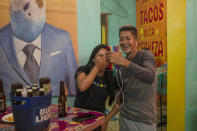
pixel 95 82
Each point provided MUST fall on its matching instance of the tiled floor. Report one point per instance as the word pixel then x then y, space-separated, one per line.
pixel 113 125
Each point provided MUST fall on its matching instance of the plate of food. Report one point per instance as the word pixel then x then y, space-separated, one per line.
pixel 8 118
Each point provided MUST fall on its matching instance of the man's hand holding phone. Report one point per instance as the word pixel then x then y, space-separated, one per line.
pixel 110 51
pixel 116 58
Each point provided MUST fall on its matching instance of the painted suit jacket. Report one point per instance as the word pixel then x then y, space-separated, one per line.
pixel 58 60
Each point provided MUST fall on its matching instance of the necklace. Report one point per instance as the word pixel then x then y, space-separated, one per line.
pixel 99 82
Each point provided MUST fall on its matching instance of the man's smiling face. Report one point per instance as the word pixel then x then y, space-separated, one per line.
pixel 127 42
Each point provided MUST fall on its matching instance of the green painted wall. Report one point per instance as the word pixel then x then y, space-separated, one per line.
pixel 191 64
pixel 89 30
pixel 123 12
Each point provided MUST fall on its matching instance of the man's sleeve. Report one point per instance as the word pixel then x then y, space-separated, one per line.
pixel 147 71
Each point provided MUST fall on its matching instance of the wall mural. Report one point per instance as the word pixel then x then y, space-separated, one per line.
pixel 53 54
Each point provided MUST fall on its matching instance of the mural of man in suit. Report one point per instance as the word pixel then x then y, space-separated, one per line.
pixel 54 52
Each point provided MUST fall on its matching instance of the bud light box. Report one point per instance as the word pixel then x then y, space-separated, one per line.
pixel 31 113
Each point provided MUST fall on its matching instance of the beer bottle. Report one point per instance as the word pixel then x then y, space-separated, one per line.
pixel 35 85
pixel 35 90
pixel 28 87
pixel 2 98
pixel 16 86
pixel 62 101
pixel 45 83
pixel 41 92
pixel 29 93
pixel 19 92
pixel 24 91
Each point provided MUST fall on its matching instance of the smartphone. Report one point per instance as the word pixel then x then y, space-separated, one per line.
pixel 113 49
pixel 84 117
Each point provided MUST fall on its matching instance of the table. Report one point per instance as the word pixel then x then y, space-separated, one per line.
pixel 65 123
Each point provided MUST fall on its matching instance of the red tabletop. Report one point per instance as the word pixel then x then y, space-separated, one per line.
pixel 65 123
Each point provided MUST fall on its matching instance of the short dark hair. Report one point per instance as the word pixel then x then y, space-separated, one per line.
pixel 128 28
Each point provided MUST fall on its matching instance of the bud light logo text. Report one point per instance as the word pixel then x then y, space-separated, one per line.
pixel 41 115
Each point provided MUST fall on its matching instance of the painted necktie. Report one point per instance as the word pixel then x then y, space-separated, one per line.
pixel 31 67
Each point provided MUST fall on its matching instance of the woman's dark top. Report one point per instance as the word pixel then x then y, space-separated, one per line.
pixel 94 97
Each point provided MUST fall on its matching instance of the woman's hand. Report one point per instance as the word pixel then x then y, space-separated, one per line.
pixel 101 65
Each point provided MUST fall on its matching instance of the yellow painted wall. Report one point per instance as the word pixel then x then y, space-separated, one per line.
pixel 176 52
pixel 103 34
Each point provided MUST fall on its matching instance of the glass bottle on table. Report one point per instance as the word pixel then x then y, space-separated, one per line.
pixel 41 92
pixel 24 91
pixel 29 93
pixel 35 90
pixel 2 98
pixel 28 87
pixel 16 86
pixel 62 101
pixel 45 83
pixel 19 92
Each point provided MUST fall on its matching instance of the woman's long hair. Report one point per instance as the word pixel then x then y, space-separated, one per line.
pixel 108 75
